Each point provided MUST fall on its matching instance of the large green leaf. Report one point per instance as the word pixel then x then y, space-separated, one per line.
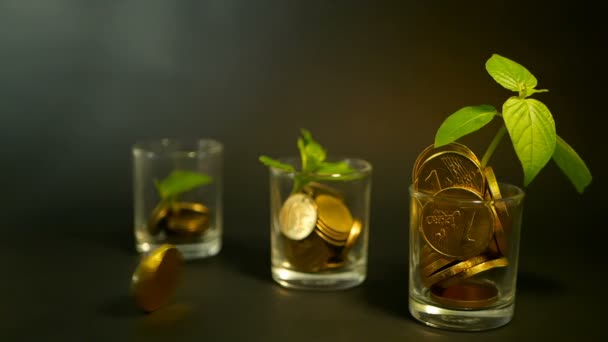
pixel 180 181
pixel 572 165
pixel 466 120
pixel 532 130
pixel 511 75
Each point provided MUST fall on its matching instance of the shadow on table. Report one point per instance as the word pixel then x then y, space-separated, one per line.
pixel 120 306
pixel 119 239
pixel 387 289
pixel 538 284
pixel 247 257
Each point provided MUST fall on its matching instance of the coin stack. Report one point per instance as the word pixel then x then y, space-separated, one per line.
pixel 318 229
pixel 180 221
pixel 462 226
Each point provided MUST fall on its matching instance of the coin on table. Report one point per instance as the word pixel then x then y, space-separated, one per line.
pixel 457 229
pixel 334 216
pixel 298 216
pixel 188 218
pixel 449 169
pixel 430 150
pixel 156 278
pixel 469 294
pixel 474 270
pixel 454 269
pixel 308 255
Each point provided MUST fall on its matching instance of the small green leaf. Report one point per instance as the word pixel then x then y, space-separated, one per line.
pixel 532 131
pixel 466 120
pixel 572 165
pixel 338 168
pixel 276 164
pixel 511 75
pixel 180 181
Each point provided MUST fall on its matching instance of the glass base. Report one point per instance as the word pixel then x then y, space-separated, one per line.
pixel 463 320
pixel 189 251
pixel 334 280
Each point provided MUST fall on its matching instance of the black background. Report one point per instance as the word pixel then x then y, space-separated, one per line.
pixel 82 81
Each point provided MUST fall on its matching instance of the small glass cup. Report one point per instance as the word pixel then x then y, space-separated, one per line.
pixel 177 187
pixel 319 227
pixel 463 257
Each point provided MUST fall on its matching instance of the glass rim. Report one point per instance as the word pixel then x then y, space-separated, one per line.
pixel 185 145
pixel 361 166
pixel 516 193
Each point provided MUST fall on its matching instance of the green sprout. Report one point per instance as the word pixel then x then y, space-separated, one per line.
pixel 314 165
pixel 178 182
pixel 528 121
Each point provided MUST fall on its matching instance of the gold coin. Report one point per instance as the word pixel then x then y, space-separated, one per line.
pixel 315 189
pixel 308 255
pixel 430 150
pixel 298 216
pixel 329 239
pixel 500 209
pixel 334 214
pixel 479 268
pixel 448 169
pixel 457 229
pixel 188 218
pixel 466 295
pixel 428 255
pixel 158 218
pixel 156 278
pixel 353 236
pixel 331 233
pixel 453 270
pixel 429 269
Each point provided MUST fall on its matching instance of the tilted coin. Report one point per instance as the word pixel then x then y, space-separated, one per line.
pixel 158 218
pixel 500 209
pixel 188 218
pixel 353 236
pixel 156 277
pixel 449 169
pixel 334 214
pixel 479 268
pixel 435 266
pixel 308 255
pixel 431 149
pixel 298 216
pixel 457 229
pixel 453 270
pixel 466 295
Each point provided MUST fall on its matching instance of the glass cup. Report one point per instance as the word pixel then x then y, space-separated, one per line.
pixel 319 227
pixel 463 256
pixel 177 187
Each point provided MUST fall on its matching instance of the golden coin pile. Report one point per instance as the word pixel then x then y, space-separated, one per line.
pixel 318 228
pixel 462 225
pixel 180 221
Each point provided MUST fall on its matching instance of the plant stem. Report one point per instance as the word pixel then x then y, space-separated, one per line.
pixel 497 139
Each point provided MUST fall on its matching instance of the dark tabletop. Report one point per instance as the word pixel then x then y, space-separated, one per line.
pixel 82 81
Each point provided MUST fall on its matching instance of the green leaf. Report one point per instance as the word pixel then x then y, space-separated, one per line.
pixel 532 131
pixel 311 152
pixel 276 164
pixel 337 168
pixel 572 165
pixel 180 181
pixel 511 75
pixel 466 120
